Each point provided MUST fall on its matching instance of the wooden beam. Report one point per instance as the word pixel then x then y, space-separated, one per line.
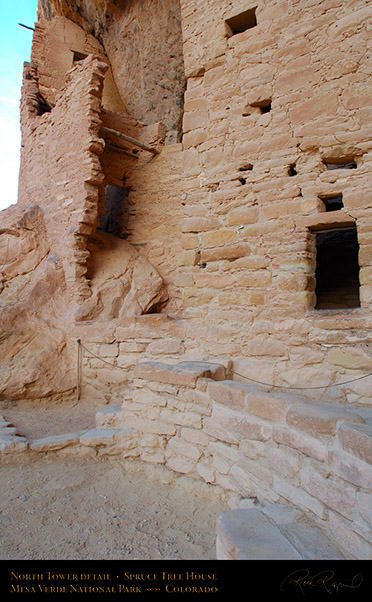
pixel 120 149
pixel 145 147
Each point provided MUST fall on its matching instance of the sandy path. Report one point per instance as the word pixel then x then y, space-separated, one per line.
pixel 59 508
pixel 66 507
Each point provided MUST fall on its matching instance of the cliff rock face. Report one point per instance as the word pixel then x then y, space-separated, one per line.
pixel 57 269
pixel 36 312
pixel 143 42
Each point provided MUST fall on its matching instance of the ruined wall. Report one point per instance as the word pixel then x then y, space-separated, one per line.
pixel 47 281
pixel 57 47
pixel 265 110
pixel 143 42
pixel 60 168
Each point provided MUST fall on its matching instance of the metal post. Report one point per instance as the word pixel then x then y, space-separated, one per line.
pixel 79 358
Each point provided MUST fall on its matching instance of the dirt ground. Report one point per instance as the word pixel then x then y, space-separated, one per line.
pixel 67 507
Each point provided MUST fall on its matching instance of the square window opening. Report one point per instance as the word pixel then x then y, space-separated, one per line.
pixel 263 105
pixel 78 57
pixel 337 269
pixel 333 203
pixel 241 22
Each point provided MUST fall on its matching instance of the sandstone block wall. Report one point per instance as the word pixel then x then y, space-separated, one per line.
pixel 266 111
pixel 60 169
pixel 270 446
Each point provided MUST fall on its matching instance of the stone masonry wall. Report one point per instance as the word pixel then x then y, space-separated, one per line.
pixel 60 168
pixel 265 109
pixel 271 446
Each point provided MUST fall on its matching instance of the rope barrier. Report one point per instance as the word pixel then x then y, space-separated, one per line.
pixel 353 380
pixel 100 358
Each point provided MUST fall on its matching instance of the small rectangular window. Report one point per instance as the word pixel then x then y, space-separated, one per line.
pixel 241 22
pixel 337 269
pixel 78 56
pixel 340 164
pixel 333 203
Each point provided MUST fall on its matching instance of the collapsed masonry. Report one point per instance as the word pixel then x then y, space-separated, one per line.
pixel 242 239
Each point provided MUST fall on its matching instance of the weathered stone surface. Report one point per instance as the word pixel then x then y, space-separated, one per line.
pixel 249 535
pixel 55 442
pixel 12 445
pixel 157 46
pixel 320 419
pixel 229 393
pixel 184 373
pixel 357 439
pixel 333 494
pixel 103 436
pixel 351 469
pixel 110 416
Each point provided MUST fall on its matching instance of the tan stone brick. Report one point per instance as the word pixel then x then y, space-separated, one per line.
pixel 243 215
pixel 265 345
pixel 131 347
pixel 195 119
pixel 319 419
pixel 219 237
pixel 214 280
pixel 229 393
pixel 183 448
pixel 144 425
pixel 236 424
pixel 191 419
pixel 164 346
pixel 252 449
pixel 189 258
pixel 269 406
pixel 357 439
pixel 257 279
pixel 199 224
pixel 318 105
pixel 242 298
pixel 284 462
pixel 148 398
pixel 299 497
pixel 180 464
pixel 350 469
pixel 195 436
pixel 228 251
pixel 206 472
pixel 333 494
pixel 189 241
pixel 197 297
pixel 310 446
pixel 256 468
pixel 351 358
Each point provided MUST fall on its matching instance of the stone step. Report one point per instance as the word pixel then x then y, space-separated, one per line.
pixel 11 442
pixel 110 416
pixel 184 373
pixel 273 532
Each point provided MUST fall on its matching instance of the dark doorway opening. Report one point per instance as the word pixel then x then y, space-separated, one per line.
pixel 337 269
pixel 114 221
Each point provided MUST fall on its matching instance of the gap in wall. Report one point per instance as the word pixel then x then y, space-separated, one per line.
pixel 337 269
pixel 242 22
pixel 114 220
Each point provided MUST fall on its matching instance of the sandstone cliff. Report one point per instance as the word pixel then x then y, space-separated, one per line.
pixel 143 42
